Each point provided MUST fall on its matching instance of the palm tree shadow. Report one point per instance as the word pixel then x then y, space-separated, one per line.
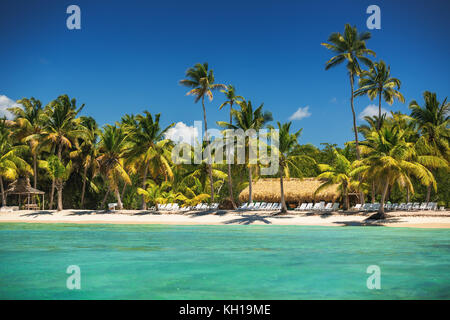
pixel 194 214
pixel 248 219
pixel 368 222
pixel 82 213
pixel 36 214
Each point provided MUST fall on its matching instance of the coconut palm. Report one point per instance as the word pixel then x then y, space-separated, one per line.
pixel 29 124
pixel 61 130
pixel 338 173
pixel 432 121
pixel 248 119
pixel 390 159
pixel 378 82
pixel 350 47
pixel 232 98
pixel 201 80
pixel 288 155
pixel 150 148
pixel 113 147
pixel 88 152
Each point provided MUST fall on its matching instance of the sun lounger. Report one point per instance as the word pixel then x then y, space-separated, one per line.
pixel 112 206
pixel 334 207
pixel 309 206
pixel 423 206
pixel 442 208
pixel 328 206
pixel 256 206
pixel 301 207
pixel 375 206
pixel 243 206
pixel 357 207
pixel 214 206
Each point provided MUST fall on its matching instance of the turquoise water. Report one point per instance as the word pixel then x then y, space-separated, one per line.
pixel 222 262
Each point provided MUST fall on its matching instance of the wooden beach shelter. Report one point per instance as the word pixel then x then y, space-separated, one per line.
pixel 295 191
pixel 22 188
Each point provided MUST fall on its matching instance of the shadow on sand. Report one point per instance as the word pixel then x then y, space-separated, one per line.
pixel 247 219
pixel 36 214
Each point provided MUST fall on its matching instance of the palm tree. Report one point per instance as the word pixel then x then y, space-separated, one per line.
pixel 338 173
pixel 12 164
pixel 432 121
pixel 88 151
pixel 378 82
pixel 201 80
pixel 150 148
pixel 29 123
pixel 350 47
pixel 232 98
pixel 288 155
pixel 390 159
pixel 61 130
pixel 113 148
pixel 247 119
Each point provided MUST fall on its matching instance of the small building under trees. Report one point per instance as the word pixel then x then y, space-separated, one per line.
pixel 22 189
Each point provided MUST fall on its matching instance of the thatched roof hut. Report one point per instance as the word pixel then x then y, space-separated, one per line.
pixel 295 191
pixel 22 186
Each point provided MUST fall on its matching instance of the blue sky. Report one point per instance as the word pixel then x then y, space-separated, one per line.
pixel 130 55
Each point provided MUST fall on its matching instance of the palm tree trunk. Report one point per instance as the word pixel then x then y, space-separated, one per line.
pixel 59 189
pixel 230 181
pixel 102 205
pixel 380 214
pixel 35 170
pixel 59 183
pixel 283 202
pixel 83 189
pixel 144 179
pixel 346 198
pixel 379 110
pixel 3 192
pixel 119 201
pixel 211 182
pixel 407 195
pixel 123 190
pixel 373 191
pixel 52 194
pixel 428 193
pixel 358 155
pixel 250 189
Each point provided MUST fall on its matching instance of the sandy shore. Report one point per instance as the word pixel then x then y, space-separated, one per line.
pixel 226 217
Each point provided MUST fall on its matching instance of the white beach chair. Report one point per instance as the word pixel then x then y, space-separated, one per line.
pixel 328 206
pixel 335 207
pixel 112 206
pixel 301 207
pixel 309 206
pixel 262 206
pixel 250 206
pixel 357 207
pixel 214 206
pixel 256 206
pixel 423 206
pixel 243 206
pixel 394 206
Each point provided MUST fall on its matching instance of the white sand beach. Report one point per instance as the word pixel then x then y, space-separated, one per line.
pixel 432 219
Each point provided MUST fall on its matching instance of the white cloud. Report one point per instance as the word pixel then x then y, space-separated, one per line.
pixel 372 110
pixel 6 103
pixel 333 100
pixel 300 113
pixel 182 133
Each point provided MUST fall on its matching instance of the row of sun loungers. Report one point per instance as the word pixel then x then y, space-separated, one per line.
pixel 260 206
pixel 318 206
pixel 410 206
pixel 176 207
